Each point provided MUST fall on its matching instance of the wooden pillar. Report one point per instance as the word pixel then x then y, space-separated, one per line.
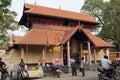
pixel 27 53
pixel 107 52
pixel 43 56
pixel 22 53
pixel 61 53
pixel 95 56
pixel 81 51
pixel 68 53
pixel 89 52
pixel 119 54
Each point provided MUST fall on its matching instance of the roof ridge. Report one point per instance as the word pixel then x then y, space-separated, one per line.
pixel 59 13
pixel 57 9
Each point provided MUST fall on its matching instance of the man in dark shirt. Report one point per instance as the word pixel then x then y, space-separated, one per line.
pixel 22 64
pixel 2 64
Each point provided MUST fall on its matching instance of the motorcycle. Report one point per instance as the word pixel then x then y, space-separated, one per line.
pixel 113 74
pixel 23 73
pixel 55 71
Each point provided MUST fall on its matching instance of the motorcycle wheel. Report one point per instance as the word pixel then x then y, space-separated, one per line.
pixel 112 78
pixel 117 75
pixel 101 77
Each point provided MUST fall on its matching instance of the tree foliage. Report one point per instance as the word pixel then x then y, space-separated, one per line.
pixel 7 21
pixel 111 19
pixel 94 8
pixel 108 14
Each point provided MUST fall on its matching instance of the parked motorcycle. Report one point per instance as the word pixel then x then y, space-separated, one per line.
pixel 108 74
pixel 55 71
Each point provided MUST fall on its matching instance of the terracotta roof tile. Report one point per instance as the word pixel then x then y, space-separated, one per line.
pixel 98 42
pixel 42 36
pixel 2 48
pixel 68 34
pixel 35 9
pixel 16 38
pixel 55 35
pixel 9 47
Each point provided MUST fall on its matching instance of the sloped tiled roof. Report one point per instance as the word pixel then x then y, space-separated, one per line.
pixel 44 36
pixel 40 10
pixel 98 42
pixel 56 35
pixel 16 38
pixel 68 34
pixel 9 46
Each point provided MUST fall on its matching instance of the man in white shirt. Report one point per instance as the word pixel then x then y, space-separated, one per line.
pixel 82 65
pixel 73 67
pixel 105 63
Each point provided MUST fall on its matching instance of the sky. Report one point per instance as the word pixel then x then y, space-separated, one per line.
pixel 70 5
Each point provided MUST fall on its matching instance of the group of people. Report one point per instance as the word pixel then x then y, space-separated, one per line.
pixel 73 66
pixel 21 64
pixel 105 63
pixel 3 65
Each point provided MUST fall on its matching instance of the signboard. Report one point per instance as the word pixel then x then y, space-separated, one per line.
pixel 113 57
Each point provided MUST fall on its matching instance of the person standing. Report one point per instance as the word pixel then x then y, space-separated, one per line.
pixel 23 69
pixel 73 67
pixel 82 64
pixel 22 64
pixel 2 66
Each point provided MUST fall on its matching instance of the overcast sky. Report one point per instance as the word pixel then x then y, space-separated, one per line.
pixel 70 5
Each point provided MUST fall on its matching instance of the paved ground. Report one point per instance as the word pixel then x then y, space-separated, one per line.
pixel 90 75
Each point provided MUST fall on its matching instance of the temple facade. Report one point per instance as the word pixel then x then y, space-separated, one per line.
pixel 56 34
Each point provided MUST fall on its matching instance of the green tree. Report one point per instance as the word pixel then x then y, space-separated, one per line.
pixel 111 18
pixel 7 21
pixel 108 14
pixel 94 8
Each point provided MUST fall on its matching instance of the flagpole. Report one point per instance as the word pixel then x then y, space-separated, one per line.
pixel 35 3
pixel 59 4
